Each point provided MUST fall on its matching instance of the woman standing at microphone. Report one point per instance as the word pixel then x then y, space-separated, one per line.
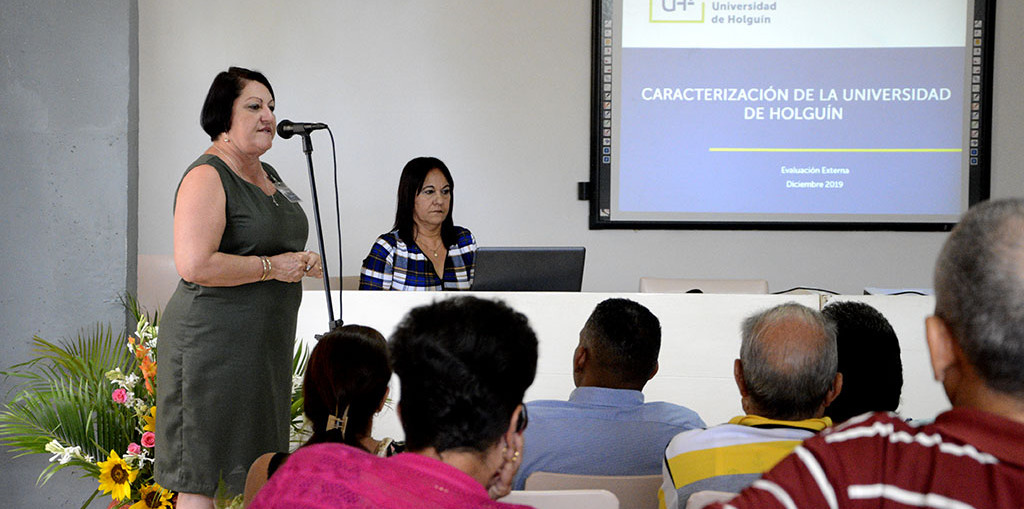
pixel 227 335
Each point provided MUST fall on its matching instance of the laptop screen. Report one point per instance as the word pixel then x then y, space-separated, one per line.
pixel 529 269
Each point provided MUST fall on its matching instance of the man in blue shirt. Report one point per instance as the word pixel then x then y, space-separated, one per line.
pixel 606 428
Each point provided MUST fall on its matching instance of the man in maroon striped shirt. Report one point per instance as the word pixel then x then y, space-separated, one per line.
pixel 972 455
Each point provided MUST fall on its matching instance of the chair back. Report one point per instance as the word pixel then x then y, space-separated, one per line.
pixel 564 499
pixel 704 498
pixel 675 285
pixel 633 491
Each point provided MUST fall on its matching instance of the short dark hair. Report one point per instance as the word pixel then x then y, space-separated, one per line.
pixel 787 386
pixel 979 291
pixel 869 359
pixel 464 364
pixel 348 371
pixel 625 338
pixel 226 87
pixel 409 185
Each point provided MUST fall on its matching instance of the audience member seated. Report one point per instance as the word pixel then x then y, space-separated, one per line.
pixel 606 428
pixel 869 359
pixel 970 456
pixel 464 365
pixel 786 375
pixel 346 383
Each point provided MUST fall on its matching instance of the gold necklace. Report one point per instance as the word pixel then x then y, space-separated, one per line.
pixel 230 161
pixel 434 250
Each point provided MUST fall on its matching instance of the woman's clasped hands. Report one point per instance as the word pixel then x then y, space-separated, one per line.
pixel 292 267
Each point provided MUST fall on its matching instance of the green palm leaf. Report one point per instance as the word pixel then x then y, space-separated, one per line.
pixel 136 310
pixel 73 413
pixel 87 357
pixel 299 362
pixel 64 395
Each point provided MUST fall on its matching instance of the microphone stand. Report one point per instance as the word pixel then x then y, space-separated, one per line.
pixel 307 148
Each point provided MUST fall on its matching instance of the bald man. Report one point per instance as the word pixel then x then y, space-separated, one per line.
pixel 786 375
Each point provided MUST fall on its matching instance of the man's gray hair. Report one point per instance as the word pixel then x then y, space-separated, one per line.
pixel 979 291
pixel 788 384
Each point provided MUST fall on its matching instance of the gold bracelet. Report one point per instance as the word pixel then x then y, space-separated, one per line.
pixel 266 267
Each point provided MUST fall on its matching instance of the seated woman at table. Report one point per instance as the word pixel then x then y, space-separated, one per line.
pixel 424 251
pixel 464 364
pixel 346 383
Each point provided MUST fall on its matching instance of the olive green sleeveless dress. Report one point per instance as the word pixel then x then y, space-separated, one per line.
pixel 225 354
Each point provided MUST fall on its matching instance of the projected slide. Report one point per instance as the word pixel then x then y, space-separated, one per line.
pixel 790 110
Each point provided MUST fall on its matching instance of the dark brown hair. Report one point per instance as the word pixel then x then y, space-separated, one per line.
pixel 226 87
pixel 348 369
pixel 409 185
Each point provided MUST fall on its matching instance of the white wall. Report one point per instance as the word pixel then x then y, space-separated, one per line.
pixel 1008 113
pixel 500 91
pixel 700 339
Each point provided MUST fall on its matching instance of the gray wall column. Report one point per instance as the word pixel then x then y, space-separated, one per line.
pixel 69 207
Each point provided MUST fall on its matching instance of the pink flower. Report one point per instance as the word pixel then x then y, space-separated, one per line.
pixel 120 396
pixel 148 439
pixel 134 449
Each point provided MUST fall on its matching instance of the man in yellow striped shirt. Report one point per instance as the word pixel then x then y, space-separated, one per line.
pixel 787 376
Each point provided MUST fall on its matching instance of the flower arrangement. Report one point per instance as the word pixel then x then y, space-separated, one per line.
pixel 118 476
pixel 91 404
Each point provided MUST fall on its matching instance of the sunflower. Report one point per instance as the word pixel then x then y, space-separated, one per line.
pixel 116 477
pixel 153 496
pixel 150 420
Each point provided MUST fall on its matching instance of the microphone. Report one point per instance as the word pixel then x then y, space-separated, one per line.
pixel 286 128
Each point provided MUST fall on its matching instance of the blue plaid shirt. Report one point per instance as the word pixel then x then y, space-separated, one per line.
pixel 394 265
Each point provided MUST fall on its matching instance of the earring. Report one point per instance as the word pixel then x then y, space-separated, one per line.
pixel 227 140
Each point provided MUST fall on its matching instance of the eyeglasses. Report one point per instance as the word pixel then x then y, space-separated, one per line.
pixel 524 419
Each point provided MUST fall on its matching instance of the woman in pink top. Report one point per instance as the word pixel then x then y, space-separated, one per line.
pixel 464 365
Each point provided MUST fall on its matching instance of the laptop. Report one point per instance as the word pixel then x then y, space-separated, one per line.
pixel 529 269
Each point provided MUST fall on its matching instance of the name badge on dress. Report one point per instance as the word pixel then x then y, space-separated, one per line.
pixel 287 192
